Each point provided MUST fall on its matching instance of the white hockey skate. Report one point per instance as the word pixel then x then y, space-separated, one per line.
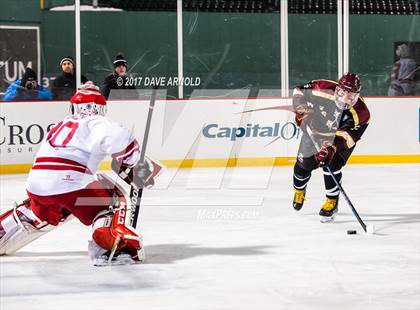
pixel 117 260
pixel 100 257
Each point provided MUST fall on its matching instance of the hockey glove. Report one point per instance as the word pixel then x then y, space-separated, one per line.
pixel 302 113
pixel 325 155
pixel 140 175
pixel 143 176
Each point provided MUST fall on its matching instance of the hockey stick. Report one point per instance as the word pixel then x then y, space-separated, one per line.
pixel 367 228
pixel 136 193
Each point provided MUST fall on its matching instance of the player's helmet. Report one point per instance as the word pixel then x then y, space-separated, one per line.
pixel 88 101
pixel 347 90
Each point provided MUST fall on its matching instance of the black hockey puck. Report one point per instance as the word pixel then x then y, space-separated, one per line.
pixel 351 232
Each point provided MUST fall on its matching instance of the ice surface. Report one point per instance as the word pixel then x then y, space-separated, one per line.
pixel 236 243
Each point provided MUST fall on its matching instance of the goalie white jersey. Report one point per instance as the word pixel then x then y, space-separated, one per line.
pixel 70 154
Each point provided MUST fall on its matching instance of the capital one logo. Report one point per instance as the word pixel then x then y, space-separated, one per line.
pixel 287 131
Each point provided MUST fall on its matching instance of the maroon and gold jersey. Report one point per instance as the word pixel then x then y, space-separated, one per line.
pixel 343 127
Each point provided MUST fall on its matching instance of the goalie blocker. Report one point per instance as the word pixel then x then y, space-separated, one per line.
pixel 142 175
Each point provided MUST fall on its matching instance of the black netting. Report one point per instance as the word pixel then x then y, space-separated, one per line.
pixel 387 7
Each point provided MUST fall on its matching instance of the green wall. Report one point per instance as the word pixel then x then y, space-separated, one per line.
pixel 148 41
pixel 57 40
pixel 312 48
pixel 226 50
pixel 19 11
pixel 232 50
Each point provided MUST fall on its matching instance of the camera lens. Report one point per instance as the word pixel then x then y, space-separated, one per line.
pixel 30 85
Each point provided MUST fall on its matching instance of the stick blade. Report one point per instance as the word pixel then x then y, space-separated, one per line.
pixel 370 229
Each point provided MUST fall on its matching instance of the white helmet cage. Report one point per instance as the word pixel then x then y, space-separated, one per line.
pixel 87 109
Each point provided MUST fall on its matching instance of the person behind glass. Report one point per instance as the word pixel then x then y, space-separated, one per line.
pixel 27 88
pixel 403 75
pixel 64 86
pixel 117 79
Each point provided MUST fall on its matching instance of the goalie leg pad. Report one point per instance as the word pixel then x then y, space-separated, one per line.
pixel 20 226
pixel 108 226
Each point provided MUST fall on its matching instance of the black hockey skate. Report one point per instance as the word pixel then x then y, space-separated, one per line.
pixel 299 199
pixel 329 210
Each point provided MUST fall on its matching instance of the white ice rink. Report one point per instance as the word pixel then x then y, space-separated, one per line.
pixel 236 244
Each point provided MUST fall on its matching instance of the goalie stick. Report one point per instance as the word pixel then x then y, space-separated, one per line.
pixel 136 193
pixel 366 228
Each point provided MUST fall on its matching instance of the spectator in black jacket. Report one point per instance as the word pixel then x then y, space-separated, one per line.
pixel 118 79
pixel 64 86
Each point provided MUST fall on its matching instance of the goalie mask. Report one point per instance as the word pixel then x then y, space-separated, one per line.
pixel 88 101
pixel 347 91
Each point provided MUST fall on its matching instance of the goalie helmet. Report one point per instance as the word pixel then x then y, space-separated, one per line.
pixel 347 91
pixel 88 101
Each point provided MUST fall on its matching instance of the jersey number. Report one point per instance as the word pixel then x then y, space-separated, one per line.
pixel 62 132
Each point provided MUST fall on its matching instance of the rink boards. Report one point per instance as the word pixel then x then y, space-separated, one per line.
pixel 215 132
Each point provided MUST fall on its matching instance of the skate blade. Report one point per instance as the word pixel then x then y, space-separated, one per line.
pixel 104 262
pixel 141 255
pixel 297 209
pixel 327 219
pixel 116 261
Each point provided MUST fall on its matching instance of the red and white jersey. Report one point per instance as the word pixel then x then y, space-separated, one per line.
pixel 70 154
pixel 403 78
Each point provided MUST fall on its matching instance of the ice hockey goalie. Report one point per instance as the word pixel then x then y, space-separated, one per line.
pixel 63 183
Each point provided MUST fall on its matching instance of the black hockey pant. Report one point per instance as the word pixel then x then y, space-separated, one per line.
pixel 304 167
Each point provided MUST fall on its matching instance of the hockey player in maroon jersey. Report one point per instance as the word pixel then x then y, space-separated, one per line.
pixel 337 116
pixel 63 183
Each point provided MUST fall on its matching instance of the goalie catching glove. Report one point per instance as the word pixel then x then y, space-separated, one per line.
pixel 141 175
